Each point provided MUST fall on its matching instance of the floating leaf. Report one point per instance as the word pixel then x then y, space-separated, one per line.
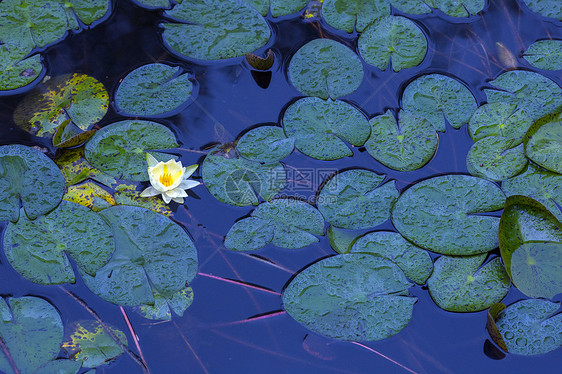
pixel 28 175
pixel 134 198
pixel 357 199
pixel 266 144
pixel 491 326
pixel 531 327
pixel 394 41
pixel 261 63
pixel 496 158
pixel 444 214
pixel 87 11
pixel 162 307
pixel 412 6
pixel 463 284
pixel 69 135
pixel 278 7
pixel 536 269
pixel 120 149
pixel 499 119
pixel 404 145
pixel 60 366
pixel 16 71
pixel 215 29
pixel 40 249
pixel 76 169
pixel 458 8
pixel 237 181
pixel 535 94
pixel 545 54
pixel 543 142
pixel 325 68
pixel 438 97
pixel 538 184
pixel 89 195
pixel 154 90
pixel 357 297
pixel 31 330
pixel 286 223
pixel 321 127
pixel 353 15
pixel 546 8
pixel 92 344
pixel 152 254
pixel 153 4
pixel 414 261
pixel 341 239
pixel 76 97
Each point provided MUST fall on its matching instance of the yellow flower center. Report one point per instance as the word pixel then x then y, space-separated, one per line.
pixel 166 178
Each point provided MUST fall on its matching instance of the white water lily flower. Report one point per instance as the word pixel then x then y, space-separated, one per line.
pixel 169 179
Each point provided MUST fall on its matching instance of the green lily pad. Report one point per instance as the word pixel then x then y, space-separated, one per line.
pixel 60 366
pixel 414 261
pixel 31 330
pixel 16 70
pixel 153 4
pixel 543 142
pixel 437 97
pixel 444 214
pixel 458 8
pixel 265 144
pixel 322 128
pixel 153 90
pixel 354 296
pixel 404 145
pixel 325 68
pixel 353 15
pixel 69 135
pixel 162 307
pixel 75 97
pixel 538 184
pixel 152 254
pixel 499 119
pixel 40 249
pixel 357 199
pixel 214 29
pixel 394 41
pixel 278 7
pixel 546 8
pixel 237 181
pixel 531 327
pixel 286 223
pixel 28 175
pixel 120 149
pixel 76 168
pixel 463 284
pixel 341 240
pixel 545 54
pixel 87 11
pixel 412 6
pixel 533 93
pixel 496 158
pixel 91 344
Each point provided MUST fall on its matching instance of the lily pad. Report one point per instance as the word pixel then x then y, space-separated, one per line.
pixel 414 261
pixel 438 98
pixel 119 149
pixel 16 70
pixel 69 135
pixel 355 297
pixel 89 195
pixel 458 8
pixel 394 41
pixel 92 344
pixel 412 6
pixel 534 93
pixel 60 366
pixel 154 90
pixel 499 119
pixel 40 249
pixel 162 307
pixel 265 144
pixel 29 176
pixel 278 7
pixel 357 199
pixel 76 168
pixel 531 327
pixel 341 240
pixel 75 97
pixel 496 158
pixel 538 184
pixel 152 254
pixel 214 29
pixel 543 142
pixel 325 68
pixel 286 223
pixel 445 214
pixel 87 11
pixel 463 284
pixel 153 4
pixel 31 330
pixel 546 8
pixel 545 54
pixel 237 181
pixel 403 145
pixel 322 128
pixel 354 15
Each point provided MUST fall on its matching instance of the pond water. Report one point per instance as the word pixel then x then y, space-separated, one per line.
pixel 236 323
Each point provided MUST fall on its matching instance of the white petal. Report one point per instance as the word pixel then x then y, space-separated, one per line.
pixel 178 192
pixel 178 200
pixel 151 160
pixel 166 198
pixel 190 170
pixel 188 184
pixel 150 191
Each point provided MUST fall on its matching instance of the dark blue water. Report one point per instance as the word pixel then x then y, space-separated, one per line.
pixel 218 333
